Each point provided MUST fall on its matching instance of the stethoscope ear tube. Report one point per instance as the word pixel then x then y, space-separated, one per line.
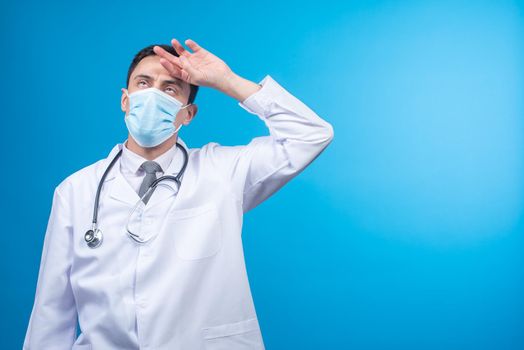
pixel 137 238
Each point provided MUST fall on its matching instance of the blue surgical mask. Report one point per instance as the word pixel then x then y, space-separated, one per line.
pixel 151 116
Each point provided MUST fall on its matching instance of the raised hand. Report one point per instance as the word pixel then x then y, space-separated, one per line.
pixel 199 67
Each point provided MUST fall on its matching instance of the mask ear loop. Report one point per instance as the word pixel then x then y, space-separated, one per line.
pixel 187 105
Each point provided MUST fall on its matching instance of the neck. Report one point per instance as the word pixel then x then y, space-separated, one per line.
pixel 151 153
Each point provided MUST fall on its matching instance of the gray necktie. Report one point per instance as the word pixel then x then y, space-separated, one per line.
pixel 150 167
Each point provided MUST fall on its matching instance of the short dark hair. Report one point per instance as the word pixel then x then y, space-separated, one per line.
pixel 148 51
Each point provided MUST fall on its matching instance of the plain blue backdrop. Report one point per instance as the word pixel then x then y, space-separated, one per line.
pixel 406 233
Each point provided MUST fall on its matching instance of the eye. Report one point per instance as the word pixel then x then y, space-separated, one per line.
pixel 171 90
pixel 142 83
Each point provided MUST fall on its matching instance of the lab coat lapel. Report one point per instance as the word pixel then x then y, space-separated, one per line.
pixel 119 188
pixel 102 166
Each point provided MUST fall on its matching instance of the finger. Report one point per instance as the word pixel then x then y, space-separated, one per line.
pixel 179 48
pixel 168 56
pixel 193 45
pixel 192 73
pixel 171 68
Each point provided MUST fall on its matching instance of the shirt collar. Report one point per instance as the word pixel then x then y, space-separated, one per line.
pixel 132 161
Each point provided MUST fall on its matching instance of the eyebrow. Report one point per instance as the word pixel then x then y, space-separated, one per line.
pixel 164 82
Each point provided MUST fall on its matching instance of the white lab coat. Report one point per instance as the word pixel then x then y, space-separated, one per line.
pixel 187 288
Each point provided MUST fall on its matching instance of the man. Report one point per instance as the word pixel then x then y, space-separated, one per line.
pixel 181 282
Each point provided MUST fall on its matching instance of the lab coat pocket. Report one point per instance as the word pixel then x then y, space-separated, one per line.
pixel 197 232
pixel 243 335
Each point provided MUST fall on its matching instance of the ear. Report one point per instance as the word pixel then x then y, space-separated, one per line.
pixel 124 101
pixel 191 112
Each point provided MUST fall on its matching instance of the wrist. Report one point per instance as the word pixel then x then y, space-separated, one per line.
pixel 238 87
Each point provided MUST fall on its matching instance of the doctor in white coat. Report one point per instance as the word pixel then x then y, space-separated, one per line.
pixel 186 287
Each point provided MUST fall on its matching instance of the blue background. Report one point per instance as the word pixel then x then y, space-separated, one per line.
pixel 406 233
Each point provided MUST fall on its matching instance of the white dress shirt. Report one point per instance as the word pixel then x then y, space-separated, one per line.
pixel 131 162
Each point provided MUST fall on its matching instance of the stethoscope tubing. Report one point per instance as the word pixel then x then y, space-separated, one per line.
pixel 94 230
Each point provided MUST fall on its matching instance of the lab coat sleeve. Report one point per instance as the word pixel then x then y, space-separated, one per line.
pixel 53 320
pixel 297 135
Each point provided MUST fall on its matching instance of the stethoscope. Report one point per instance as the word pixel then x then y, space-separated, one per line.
pixel 94 237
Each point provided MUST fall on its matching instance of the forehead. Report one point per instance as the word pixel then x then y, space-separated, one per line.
pixel 152 67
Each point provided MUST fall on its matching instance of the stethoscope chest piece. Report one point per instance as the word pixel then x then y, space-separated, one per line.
pixel 93 238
